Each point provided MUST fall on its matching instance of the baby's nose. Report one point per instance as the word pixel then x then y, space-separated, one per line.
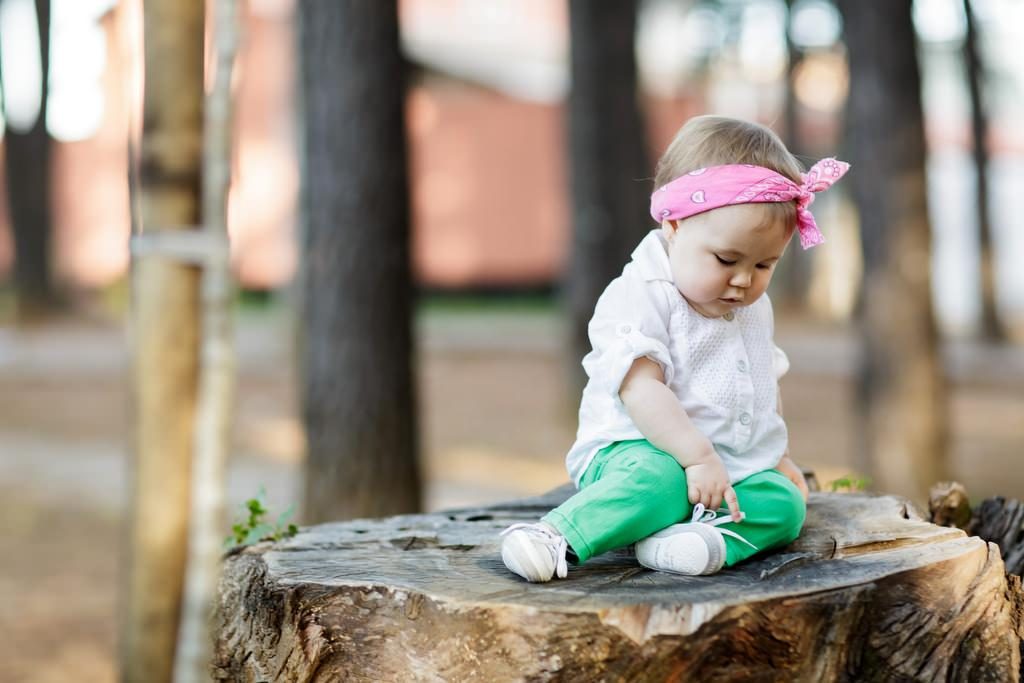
pixel 740 280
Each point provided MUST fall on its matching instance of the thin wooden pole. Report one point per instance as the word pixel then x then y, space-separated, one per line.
pixel 165 332
pixel 217 366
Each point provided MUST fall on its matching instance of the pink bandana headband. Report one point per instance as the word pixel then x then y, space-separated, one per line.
pixel 716 186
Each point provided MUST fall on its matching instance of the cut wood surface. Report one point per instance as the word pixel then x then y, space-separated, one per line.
pixel 870 591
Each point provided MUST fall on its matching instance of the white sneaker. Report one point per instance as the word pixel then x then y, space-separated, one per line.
pixel 535 552
pixel 695 548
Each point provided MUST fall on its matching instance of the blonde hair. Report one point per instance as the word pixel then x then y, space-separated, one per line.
pixel 718 140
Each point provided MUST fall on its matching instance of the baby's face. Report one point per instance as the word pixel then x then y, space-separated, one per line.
pixel 724 258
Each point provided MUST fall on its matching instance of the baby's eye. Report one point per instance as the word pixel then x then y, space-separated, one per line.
pixel 765 266
pixel 724 262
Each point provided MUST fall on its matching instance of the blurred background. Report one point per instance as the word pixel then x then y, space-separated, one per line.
pixel 487 116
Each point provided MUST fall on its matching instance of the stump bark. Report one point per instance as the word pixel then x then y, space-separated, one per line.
pixel 870 591
pixel 999 519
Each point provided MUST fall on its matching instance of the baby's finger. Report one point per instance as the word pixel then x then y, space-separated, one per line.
pixel 693 494
pixel 705 499
pixel 802 485
pixel 716 501
pixel 733 503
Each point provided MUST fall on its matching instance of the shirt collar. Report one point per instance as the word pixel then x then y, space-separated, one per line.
pixel 651 258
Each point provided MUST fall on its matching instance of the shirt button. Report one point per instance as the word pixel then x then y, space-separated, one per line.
pixel 745 419
pixel 729 316
pixel 742 365
pixel 625 329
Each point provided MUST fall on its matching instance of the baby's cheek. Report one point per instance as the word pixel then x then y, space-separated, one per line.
pixel 712 287
pixel 762 284
pixel 695 288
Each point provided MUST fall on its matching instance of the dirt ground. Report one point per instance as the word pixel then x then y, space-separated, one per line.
pixel 496 417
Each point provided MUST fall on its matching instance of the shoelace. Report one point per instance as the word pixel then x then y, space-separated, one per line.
pixel 555 543
pixel 702 515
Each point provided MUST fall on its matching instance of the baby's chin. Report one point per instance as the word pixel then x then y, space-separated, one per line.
pixel 718 307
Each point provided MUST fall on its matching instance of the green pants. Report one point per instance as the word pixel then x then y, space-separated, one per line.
pixel 632 489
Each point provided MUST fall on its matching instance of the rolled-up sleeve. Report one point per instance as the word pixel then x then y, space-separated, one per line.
pixel 631 321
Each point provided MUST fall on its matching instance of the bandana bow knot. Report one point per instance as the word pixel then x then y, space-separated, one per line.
pixel 716 186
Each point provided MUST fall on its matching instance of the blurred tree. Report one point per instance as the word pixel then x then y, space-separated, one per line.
pixel 991 327
pixel 791 113
pixel 793 275
pixel 356 345
pixel 27 171
pixel 902 394
pixel 609 166
pixel 165 297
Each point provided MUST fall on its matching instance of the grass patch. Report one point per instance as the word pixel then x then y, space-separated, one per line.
pixel 473 303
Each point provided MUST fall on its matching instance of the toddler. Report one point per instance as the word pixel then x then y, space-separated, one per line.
pixel 681 412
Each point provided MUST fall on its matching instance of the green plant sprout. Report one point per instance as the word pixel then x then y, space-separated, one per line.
pixel 849 483
pixel 255 528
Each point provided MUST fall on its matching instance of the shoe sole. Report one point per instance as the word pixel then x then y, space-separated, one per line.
pixel 647 549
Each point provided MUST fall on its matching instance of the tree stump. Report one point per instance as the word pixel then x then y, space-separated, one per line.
pixel 870 591
pixel 999 519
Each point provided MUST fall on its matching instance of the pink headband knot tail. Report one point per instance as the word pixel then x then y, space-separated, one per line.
pixel 819 178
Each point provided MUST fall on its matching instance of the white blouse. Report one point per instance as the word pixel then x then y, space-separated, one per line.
pixel 724 371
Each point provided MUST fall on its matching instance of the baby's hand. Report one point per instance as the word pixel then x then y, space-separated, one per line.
pixel 707 483
pixel 790 470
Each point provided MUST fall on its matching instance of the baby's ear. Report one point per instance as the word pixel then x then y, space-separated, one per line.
pixel 668 228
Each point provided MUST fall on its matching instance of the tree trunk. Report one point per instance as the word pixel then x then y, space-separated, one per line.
pixel 27 164
pixel 791 111
pixel 869 592
pixel 901 388
pixel 165 330
pixel 792 275
pixel 609 166
pixel 991 328
pixel 358 396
